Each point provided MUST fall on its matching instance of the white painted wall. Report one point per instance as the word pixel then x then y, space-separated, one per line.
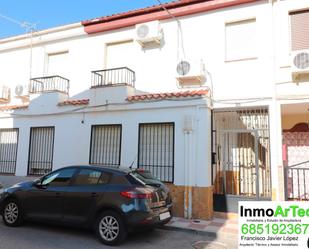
pixel 72 136
pixel 203 37
pixel 265 79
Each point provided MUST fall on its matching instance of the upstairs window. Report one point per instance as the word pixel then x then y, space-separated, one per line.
pixel 120 54
pixel 240 40
pixel 299 30
pixel 58 64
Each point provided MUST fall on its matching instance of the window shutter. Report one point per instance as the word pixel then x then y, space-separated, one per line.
pixel 240 40
pixel 300 30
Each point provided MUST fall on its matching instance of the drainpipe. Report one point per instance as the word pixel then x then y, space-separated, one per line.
pixel 188 129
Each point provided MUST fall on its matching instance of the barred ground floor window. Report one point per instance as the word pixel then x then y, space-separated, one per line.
pixel 41 150
pixel 8 150
pixel 156 150
pixel 105 145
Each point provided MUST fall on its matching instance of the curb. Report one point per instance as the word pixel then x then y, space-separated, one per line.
pixel 199 232
pixel 189 230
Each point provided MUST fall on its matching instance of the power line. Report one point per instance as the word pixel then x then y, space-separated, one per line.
pixel 29 28
pixel 26 25
pixel 180 42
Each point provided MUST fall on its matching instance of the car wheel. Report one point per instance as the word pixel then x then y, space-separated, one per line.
pixel 12 213
pixel 110 228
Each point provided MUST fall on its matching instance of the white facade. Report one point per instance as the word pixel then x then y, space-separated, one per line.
pixel 73 129
pixel 247 54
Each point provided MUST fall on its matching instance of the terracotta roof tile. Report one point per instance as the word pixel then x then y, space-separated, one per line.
pixel 169 95
pixel 157 8
pixel 12 107
pixel 74 102
pixel 141 11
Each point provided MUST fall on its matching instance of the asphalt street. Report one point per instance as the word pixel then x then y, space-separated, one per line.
pixel 42 236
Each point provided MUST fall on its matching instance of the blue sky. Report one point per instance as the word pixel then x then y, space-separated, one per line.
pixel 52 13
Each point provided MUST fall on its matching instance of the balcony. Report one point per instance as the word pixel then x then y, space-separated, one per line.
pixel 5 94
pixel 113 76
pixel 54 83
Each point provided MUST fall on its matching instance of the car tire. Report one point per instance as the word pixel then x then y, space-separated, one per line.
pixel 12 213
pixel 110 228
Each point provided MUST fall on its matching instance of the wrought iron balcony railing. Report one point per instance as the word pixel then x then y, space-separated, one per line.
pixel 53 83
pixel 113 76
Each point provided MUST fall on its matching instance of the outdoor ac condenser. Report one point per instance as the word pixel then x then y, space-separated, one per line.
pixel 148 33
pixel 300 62
pixel 191 73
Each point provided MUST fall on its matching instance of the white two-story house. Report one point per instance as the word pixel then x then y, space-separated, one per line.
pixel 210 96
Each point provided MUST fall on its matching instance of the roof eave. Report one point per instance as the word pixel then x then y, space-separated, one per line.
pixel 126 20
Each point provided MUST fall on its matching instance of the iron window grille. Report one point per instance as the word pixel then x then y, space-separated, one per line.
pixel 105 145
pixel 41 150
pixel 156 150
pixel 8 150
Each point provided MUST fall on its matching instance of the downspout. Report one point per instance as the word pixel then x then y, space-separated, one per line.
pixel 187 158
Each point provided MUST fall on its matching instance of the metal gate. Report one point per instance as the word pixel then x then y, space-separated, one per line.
pixel 241 170
pixel 295 145
pixel 297 182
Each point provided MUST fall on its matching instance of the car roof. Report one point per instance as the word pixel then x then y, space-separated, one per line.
pixel 108 168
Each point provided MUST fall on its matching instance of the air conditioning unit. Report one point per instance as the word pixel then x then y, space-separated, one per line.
pixel 5 94
pixel 148 33
pixel 300 62
pixel 21 91
pixel 191 73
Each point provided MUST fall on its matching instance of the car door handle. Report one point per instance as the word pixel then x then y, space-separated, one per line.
pixel 94 195
pixel 57 194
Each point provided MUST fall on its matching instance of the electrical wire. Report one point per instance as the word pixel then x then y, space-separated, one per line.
pixel 29 28
pixel 180 40
pixel 26 25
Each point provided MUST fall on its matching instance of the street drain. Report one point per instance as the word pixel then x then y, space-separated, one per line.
pixel 208 245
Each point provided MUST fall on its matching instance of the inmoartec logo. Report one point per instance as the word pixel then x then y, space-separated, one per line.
pixel 279 211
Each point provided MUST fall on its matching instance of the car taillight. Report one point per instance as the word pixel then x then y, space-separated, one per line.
pixel 137 193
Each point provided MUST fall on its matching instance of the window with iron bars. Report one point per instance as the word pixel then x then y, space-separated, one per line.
pixel 8 150
pixel 156 150
pixel 41 150
pixel 105 145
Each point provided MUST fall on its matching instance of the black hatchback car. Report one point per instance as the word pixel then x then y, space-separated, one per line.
pixel 112 201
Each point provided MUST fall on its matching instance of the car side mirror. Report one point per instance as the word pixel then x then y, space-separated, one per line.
pixel 38 184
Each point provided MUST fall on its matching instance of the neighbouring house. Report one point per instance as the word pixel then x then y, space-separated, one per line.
pixel 211 96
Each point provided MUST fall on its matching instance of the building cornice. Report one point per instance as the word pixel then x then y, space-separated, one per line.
pixel 176 9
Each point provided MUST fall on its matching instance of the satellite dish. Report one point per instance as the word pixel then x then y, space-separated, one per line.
pixel 301 60
pixel 19 90
pixel 142 31
pixel 183 68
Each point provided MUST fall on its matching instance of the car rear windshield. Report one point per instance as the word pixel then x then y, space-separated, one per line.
pixel 145 177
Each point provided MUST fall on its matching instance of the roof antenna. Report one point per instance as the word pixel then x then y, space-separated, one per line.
pixel 133 162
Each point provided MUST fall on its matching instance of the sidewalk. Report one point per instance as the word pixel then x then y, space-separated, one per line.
pixel 216 227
